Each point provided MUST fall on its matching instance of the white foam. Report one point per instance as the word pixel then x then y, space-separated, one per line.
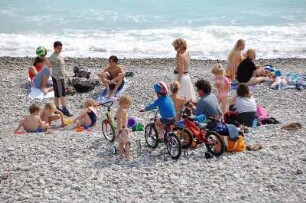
pixel 213 42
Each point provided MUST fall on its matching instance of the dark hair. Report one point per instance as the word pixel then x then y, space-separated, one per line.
pixel 57 43
pixel 34 108
pixel 243 91
pixel 37 60
pixel 203 85
pixel 113 58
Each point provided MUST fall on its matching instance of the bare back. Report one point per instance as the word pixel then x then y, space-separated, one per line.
pixel 179 102
pixel 184 59
pixel 32 122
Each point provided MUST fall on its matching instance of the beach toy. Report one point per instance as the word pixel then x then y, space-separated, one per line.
pixel 131 122
pixel 137 127
pixel 68 121
pixel 79 129
pixel 41 51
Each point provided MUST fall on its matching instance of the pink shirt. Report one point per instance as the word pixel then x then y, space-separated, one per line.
pixel 223 82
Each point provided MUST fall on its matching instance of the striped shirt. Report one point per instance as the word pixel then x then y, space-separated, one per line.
pixel 244 104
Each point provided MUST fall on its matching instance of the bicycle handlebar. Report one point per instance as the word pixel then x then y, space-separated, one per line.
pixel 106 104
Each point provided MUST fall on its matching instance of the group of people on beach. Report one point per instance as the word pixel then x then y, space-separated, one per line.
pixel 240 67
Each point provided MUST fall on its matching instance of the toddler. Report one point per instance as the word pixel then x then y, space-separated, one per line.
pixel 88 116
pixel 50 113
pixel 178 101
pixel 222 85
pixel 122 130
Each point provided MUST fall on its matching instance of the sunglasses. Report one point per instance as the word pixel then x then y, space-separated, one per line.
pixel 176 47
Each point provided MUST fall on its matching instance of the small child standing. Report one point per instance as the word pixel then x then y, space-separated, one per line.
pixel 178 101
pixel 33 123
pixel 122 130
pixel 50 113
pixel 223 86
pixel 58 78
pixel 88 116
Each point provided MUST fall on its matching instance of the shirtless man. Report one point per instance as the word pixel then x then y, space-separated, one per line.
pixel 112 76
pixel 33 122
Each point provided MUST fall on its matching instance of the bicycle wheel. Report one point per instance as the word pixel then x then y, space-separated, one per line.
pixel 215 143
pixel 151 135
pixel 108 130
pixel 174 146
pixel 185 137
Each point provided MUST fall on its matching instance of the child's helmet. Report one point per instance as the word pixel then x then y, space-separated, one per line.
pixel 161 88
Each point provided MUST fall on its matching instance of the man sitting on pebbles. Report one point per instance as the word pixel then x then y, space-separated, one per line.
pixel 112 77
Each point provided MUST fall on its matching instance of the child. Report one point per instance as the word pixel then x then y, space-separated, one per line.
pixel 50 113
pixel 88 116
pixel 58 78
pixel 178 101
pixel 165 106
pixel 33 123
pixel 122 121
pixel 222 85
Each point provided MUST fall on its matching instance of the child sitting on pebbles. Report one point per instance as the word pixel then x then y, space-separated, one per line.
pixel 122 130
pixel 88 116
pixel 51 113
pixel 33 122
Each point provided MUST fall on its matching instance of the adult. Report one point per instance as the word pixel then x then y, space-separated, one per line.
pixel 208 103
pixel 112 77
pixel 247 72
pixel 40 75
pixel 245 105
pixel 182 68
pixel 234 58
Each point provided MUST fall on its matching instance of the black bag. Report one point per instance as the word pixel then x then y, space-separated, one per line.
pixel 78 72
pixel 84 86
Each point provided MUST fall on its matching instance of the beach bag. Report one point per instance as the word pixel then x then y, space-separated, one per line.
pixel 262 113
pixel 80 73
pixel 84 86
pixel 234 146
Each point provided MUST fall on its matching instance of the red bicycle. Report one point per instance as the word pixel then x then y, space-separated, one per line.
pixel 199 134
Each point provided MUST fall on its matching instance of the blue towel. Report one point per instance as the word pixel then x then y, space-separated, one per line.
pixel 232 131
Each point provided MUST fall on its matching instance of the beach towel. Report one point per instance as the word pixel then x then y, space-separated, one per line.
pixel 121 90
pixel 36 93
pixel 235 85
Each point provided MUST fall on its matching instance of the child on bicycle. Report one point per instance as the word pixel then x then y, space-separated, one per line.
pixel 165 106
pixel 223 86
pixel 88 116
pixel 122 130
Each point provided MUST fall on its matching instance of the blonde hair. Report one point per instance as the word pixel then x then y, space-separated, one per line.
pixel 175 86
pixel 125 99
pixel 235 49
pixel 89 103
pixel 218 69
pixel 179 42
pixel 250 53
pixel 49 106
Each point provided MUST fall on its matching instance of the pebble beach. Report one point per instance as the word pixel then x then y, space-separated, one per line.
pixel 70 166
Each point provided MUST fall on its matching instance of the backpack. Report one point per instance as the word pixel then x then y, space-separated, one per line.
pixel 80 73
pixel 262 113
pixel 84 86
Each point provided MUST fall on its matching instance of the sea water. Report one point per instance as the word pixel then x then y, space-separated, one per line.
pixel 146 28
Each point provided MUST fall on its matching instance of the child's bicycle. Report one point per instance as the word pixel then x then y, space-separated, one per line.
pixel 109 128
pixel 212 140
pixel 170 139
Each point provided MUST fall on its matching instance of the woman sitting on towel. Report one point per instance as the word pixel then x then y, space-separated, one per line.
pixel 248 73
pixel 40 75
pixel 244 104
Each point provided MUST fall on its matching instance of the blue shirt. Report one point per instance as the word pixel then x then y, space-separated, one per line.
pixel 208 105
pixel 165 106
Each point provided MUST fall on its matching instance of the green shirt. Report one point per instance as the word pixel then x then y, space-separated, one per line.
pixel 58 66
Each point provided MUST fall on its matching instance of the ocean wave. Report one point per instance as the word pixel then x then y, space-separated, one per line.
pixel 210 42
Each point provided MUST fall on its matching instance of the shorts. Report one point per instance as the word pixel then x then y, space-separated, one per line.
pixel 167 121
pixel 59 87
pixel 124 136
pixel 38 79
pixel 38 130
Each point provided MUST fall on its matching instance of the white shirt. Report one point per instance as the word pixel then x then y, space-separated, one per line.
pixel 244 104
